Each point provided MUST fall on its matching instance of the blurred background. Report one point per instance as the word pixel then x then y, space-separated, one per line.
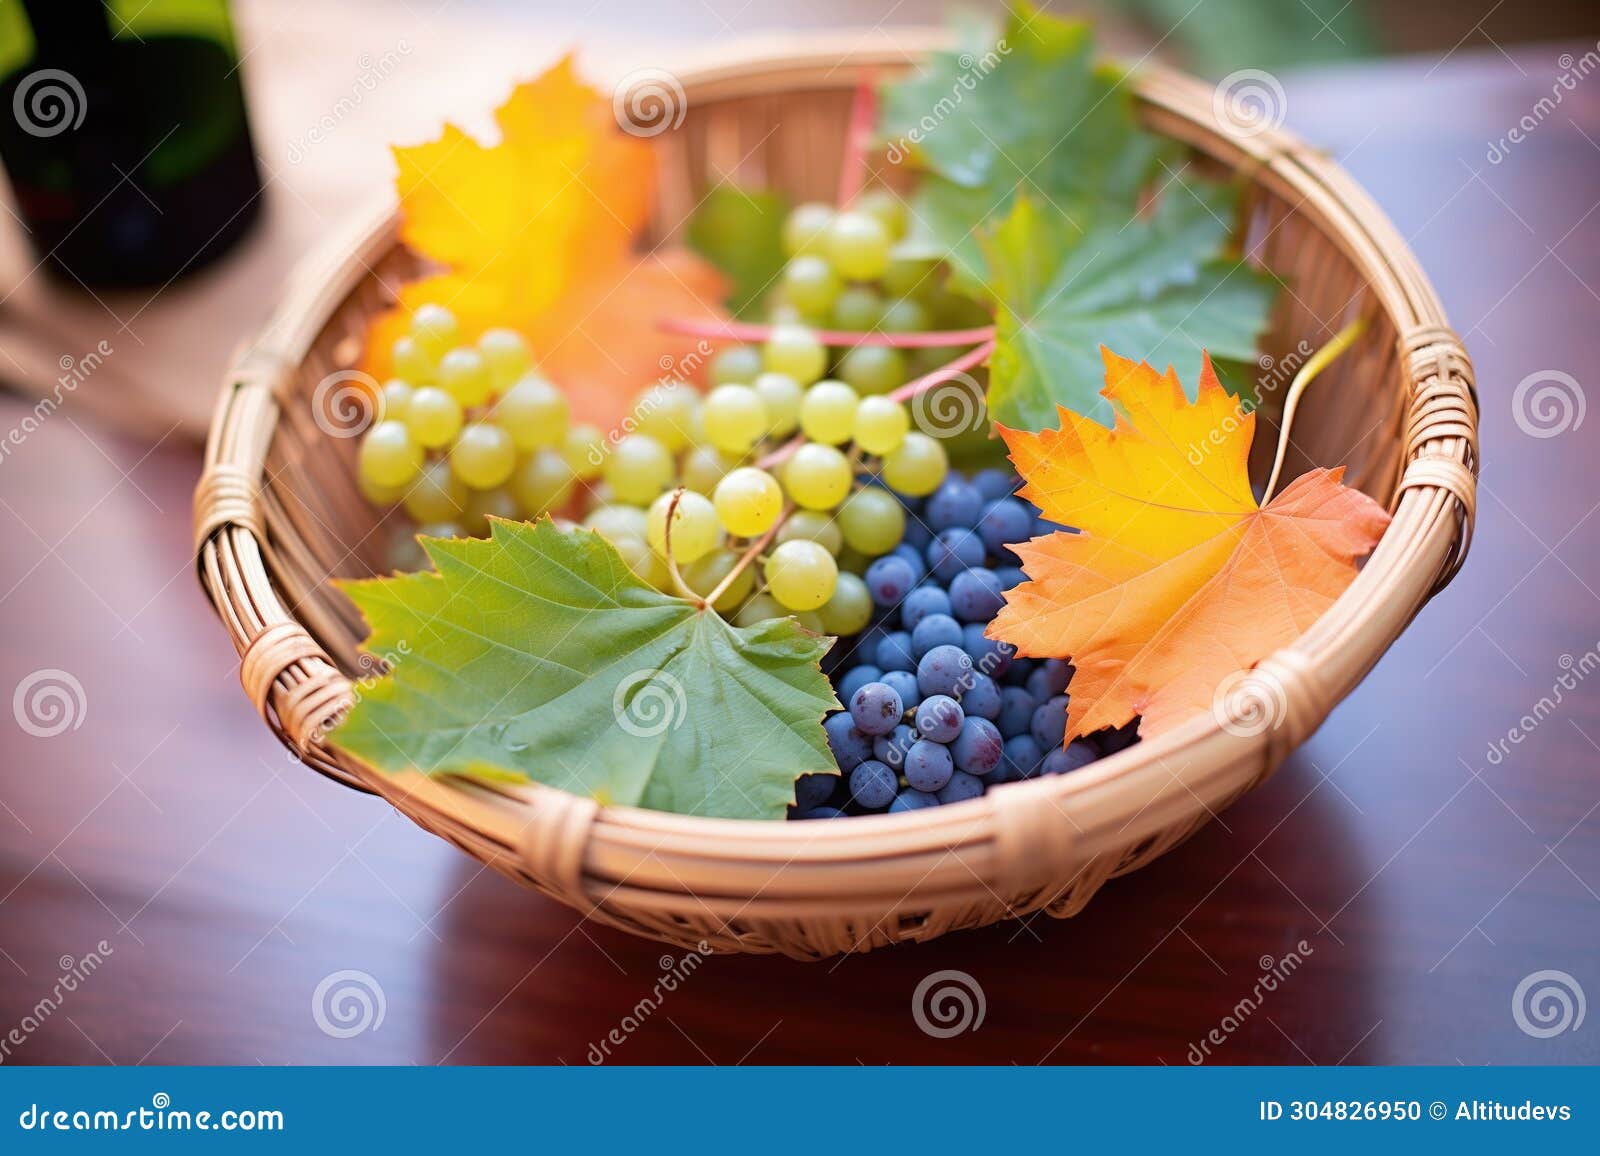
pixel 155 824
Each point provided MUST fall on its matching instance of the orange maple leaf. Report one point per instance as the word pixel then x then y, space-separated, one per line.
pixel 1177 578
pixel 536 232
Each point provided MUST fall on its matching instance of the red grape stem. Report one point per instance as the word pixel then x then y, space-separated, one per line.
pixel 749 331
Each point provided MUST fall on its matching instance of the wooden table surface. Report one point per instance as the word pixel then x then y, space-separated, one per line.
pixel 1428 871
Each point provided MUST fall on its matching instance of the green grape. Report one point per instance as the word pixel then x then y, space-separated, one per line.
pixel 735 418
pixel 932 357
pixel 873 368
pixel 389 455
pixel 872 521
pixel 644 562
pixel 438 495
pixel 813 526
pixel 760 608
pixel 850 608
pixel 465 375
pixel 793 350
pixel 668 414
pixel 810 620
pixel 506 354
pixel 881 425
pixel 483 456
pixel 413 362
pixel 852 561
pixel 533 412
pixel 905 316
pixel 703 467
pixel 583 447
pixel 801 575
pixel 379 495
pixel 857 309
pixel 817 477
pixel 702 577
pixel 440 530
pixel 736 365
pixel 542 482
pixel 952 310
pixel 748 501
pixel 858 245
pixel 805 226
pixel 782 313
pixel 638 469
pixel 435 328
pixel 828 412
pixel 917 467
pixel 394 399
pixel 908 275
pixel 886 208
pixel 810 284
pixel 405 554
pixel 485 504
pixel 782 395
pixel 434 418
pixel 695 532
pixel 618 522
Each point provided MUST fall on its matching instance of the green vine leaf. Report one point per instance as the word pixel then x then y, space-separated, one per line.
pixel 741 233
pixel 538 654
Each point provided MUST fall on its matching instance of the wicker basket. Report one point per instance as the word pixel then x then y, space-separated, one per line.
pixel 277 514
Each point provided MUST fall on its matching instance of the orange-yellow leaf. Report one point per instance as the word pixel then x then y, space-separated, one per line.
pixel 1177 578
pixel 535 232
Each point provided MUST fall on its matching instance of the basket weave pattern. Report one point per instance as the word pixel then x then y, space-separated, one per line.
pixel 277 514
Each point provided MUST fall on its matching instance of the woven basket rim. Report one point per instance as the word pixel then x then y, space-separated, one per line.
pixel 1424 545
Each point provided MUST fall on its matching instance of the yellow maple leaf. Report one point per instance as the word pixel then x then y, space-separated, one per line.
pixel 535 232
pixel 1177 578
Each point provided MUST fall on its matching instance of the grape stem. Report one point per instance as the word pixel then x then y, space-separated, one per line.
pixel 948 372
pixel 863 114
pixel 1318 361
pixel 751 553
pixel 678 583
pixel 747 331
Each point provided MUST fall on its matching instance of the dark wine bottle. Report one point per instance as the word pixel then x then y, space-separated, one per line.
pixel 123 132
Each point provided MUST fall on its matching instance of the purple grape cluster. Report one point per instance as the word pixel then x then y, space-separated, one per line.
pixel 934 711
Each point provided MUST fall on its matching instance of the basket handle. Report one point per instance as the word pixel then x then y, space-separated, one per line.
pixel 1441 450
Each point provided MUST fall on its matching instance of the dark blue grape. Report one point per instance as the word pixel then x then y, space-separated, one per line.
pixel 957 502
pixel 989 655
pixel 890 749
pixel 1018 673
pixel 1076 754
pixel 914 557
pixel 857 678
pixel 943 670
pixel 978 748
pixel 1010 576
pixel 928 765
pixel 976 595
pixel 820 813
pixel 939 718
pixel 890 579
pixel 960 788
pixel 1110 742
pixel 894 652
pixel 917 535
pixel 1023 756
pixel 876 708
pixel 905 685
pixel 1049 723
pixel 952 551
pixel 849 746
pixel 1049 678
pixel 920 603
pixel 981 696
pixel 1002 523
pixel 994 484
pixel 1043 526
pixel 935 630
pixel 1016 711
pixel 814 790
pixel 873 785
pixel 912 799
